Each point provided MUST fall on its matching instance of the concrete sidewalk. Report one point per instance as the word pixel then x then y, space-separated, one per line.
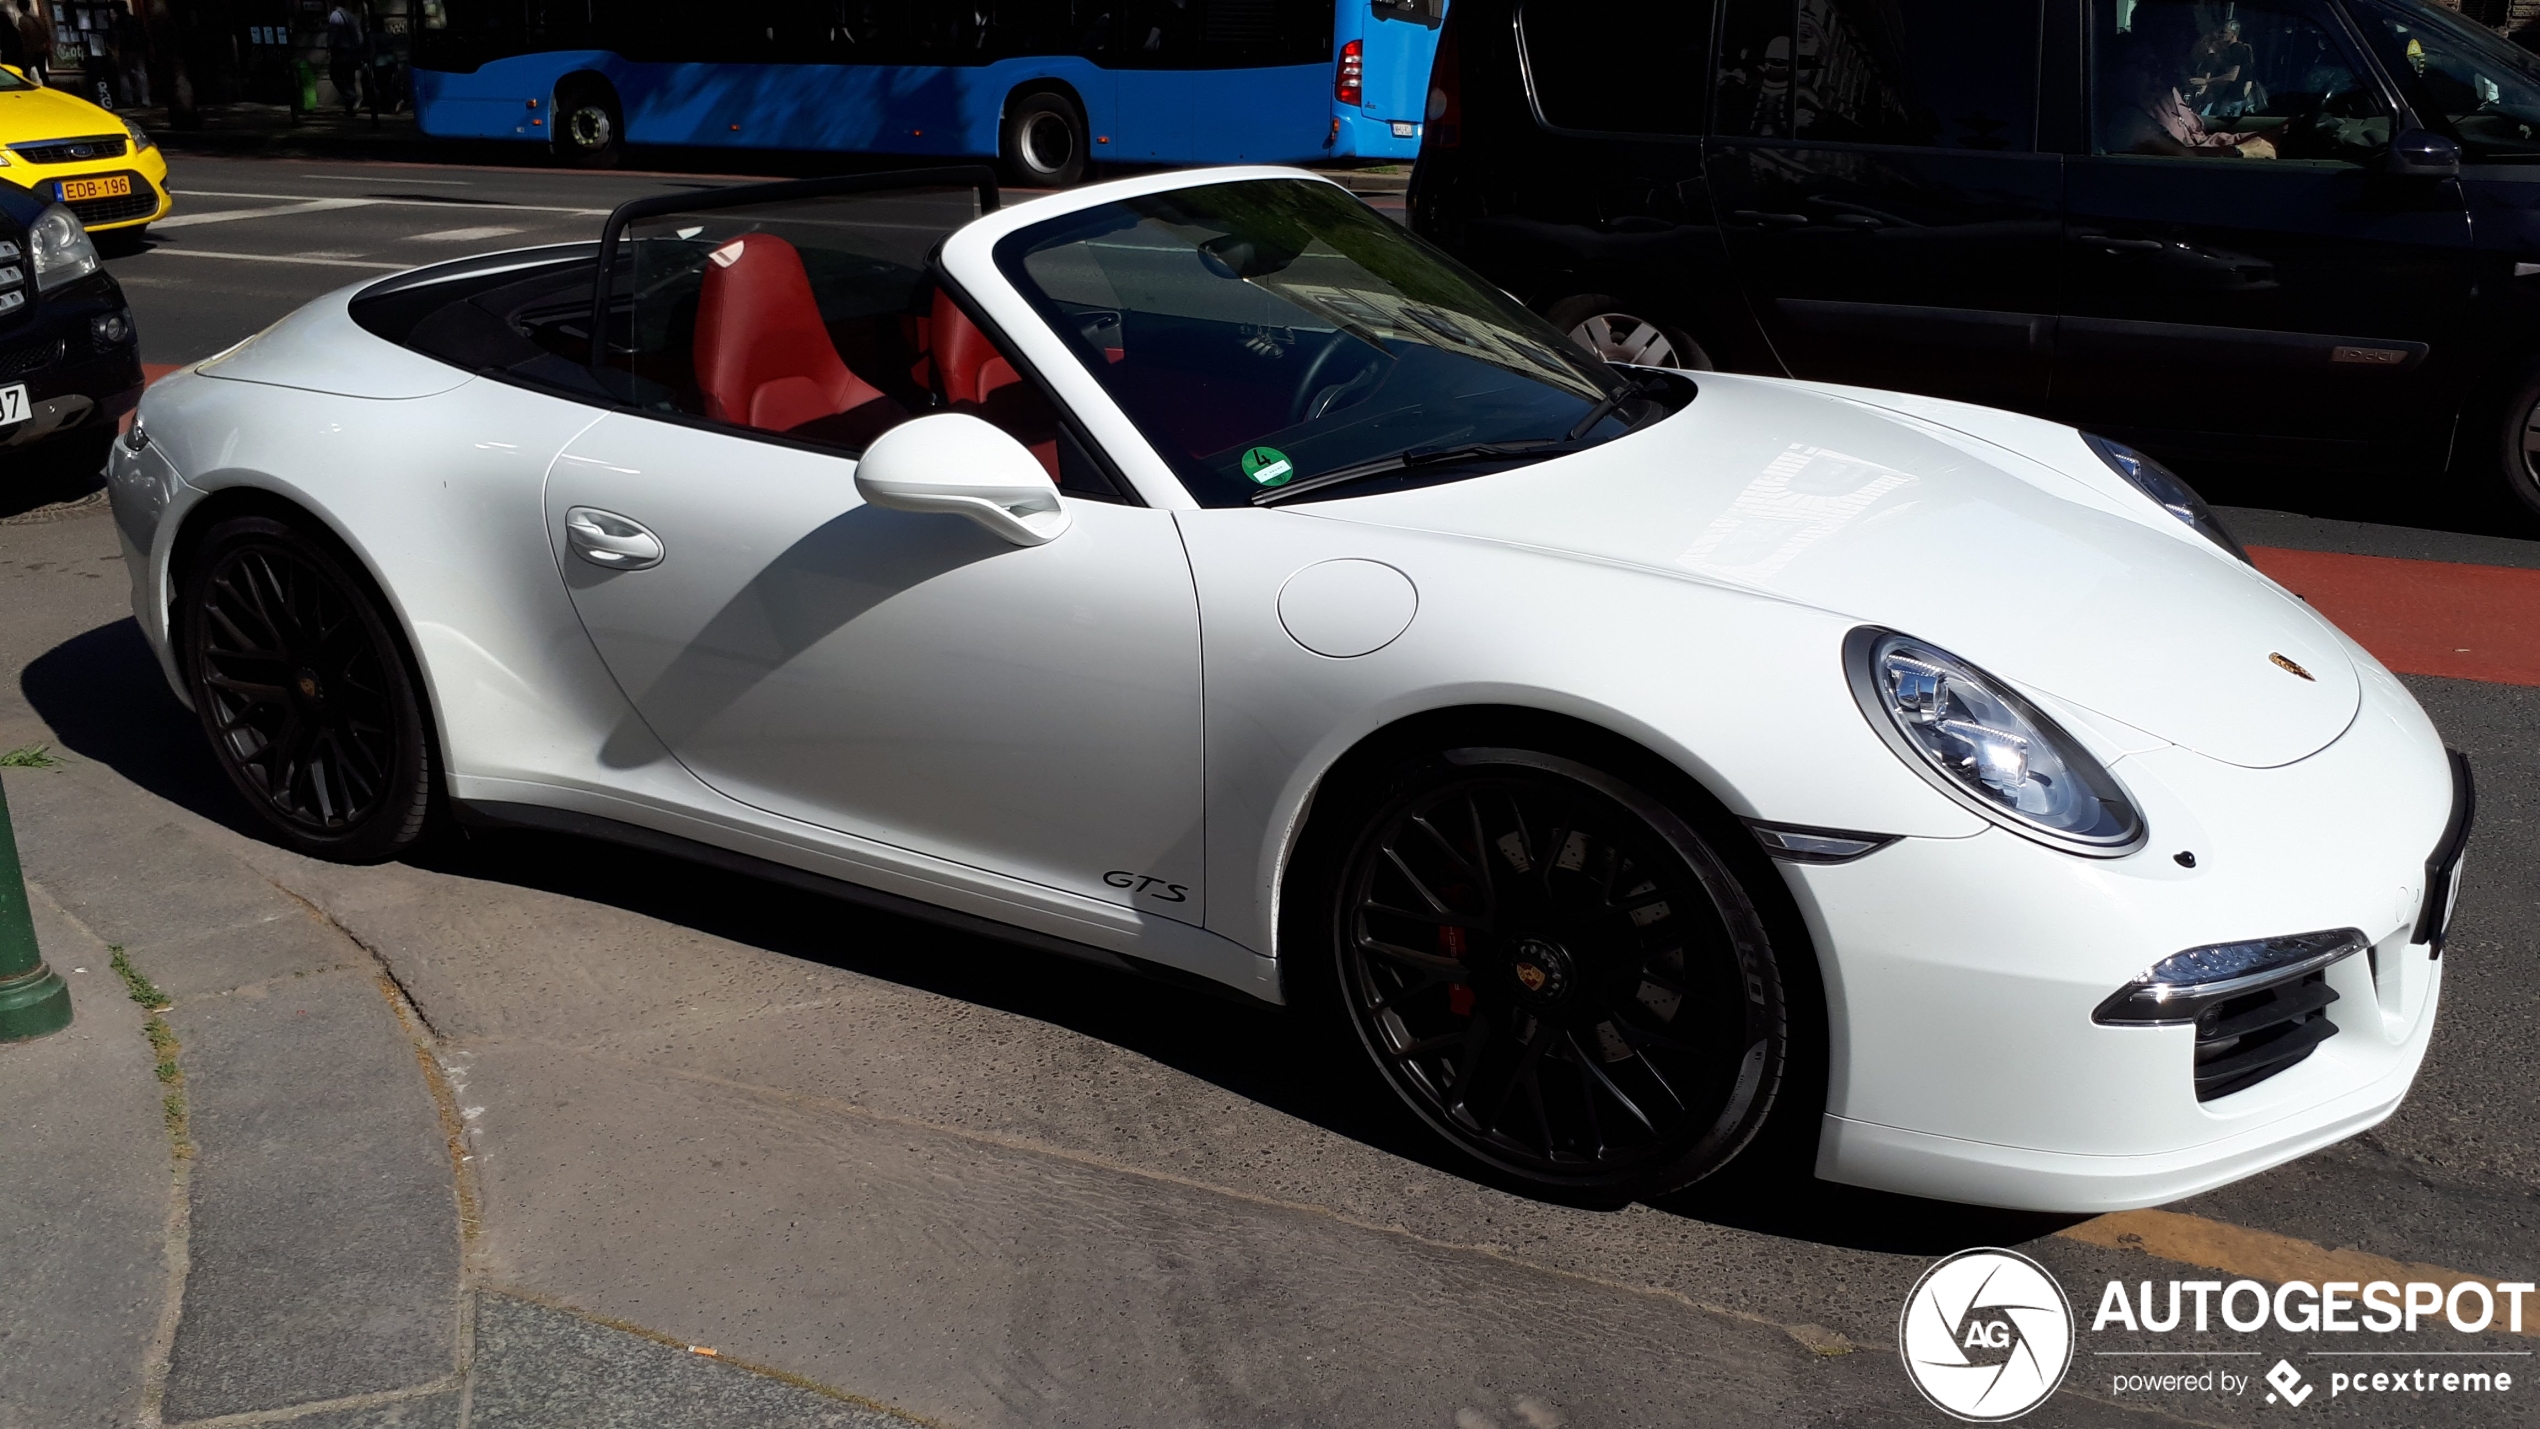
pixel 493 1136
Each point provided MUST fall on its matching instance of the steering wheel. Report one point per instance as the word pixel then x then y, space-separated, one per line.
pixel 1310 384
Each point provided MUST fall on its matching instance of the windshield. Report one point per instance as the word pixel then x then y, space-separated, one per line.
pixel 2484 90
pixel 1279 331
pixel 11 79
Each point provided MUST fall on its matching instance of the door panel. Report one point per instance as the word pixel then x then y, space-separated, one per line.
pixel 2239 272
pixel 907 678
pixel 1880 200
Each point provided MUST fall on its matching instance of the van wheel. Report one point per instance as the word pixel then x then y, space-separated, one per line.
pixel 2517 455
pixel 1621 331
pixel 590 127
pixel 1043 143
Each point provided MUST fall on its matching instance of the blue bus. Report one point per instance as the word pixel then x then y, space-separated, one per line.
pixel 1043 86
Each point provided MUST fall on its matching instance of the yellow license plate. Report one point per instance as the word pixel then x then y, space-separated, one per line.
pixel 73 190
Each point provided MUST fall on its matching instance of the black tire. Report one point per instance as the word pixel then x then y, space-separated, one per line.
pixel 1042 143
pixel 590 126
pixel 303 686
pixel 1554 971
pixel 2515 454
pixel 1621 331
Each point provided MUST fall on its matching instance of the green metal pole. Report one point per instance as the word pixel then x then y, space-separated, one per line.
pixel 33 998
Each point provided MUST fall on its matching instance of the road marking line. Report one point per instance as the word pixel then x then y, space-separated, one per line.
pixel 2259 1255
pixel 282 258
pixel 460 235
pixel 232 215
pixel 2469 622
pixel 374 178
pixel 401 202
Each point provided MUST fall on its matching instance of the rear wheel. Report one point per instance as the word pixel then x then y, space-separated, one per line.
pixel 590 126
pixel 1620 331
pixel 1557 974
pixel 1043 143
pixel 302 685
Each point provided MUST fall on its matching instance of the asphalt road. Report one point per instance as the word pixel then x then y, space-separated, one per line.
pixel 1219 1096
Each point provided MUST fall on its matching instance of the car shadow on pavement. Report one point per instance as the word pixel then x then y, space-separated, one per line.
pixel 102 695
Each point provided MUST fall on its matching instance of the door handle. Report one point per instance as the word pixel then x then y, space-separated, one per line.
pixel 609 540
pixel 1770 220
pixel 2114 244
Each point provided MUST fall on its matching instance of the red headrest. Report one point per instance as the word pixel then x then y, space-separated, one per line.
pixel 967 367
pixel 763 358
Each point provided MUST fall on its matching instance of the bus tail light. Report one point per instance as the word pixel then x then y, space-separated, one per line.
pixel 1350 88
pixel 1444 117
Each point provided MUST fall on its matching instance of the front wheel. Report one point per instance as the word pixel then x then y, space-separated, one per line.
pixel 302 685
pixel 1043 143
pixel 1557 974
pixel 2517 448
pixel 590 126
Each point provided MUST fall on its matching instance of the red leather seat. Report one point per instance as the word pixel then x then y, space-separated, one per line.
pixel 971 376
pixel 763 358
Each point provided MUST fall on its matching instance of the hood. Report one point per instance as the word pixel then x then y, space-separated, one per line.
pixel 28 115
pixel 2040 577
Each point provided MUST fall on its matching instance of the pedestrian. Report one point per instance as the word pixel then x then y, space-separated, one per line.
pixel 36 33
pixel 12 40
pixel 346 43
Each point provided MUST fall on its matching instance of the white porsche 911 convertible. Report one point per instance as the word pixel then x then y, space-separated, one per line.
pixel 1197 574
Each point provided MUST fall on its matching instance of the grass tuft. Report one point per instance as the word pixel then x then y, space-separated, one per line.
pixel 142 989
pixel 30 756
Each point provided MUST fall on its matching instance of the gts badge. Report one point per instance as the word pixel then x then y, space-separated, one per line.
pixel 1148 885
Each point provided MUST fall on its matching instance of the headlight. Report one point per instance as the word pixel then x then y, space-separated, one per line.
pixel 1986 747
pixel 2166 490
pixel 60 248
pixel 140 138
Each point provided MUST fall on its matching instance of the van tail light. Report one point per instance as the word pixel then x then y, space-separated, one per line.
pixel 1444 118
pixel 1350 87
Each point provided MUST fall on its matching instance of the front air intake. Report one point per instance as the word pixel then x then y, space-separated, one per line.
pixel 2247 1039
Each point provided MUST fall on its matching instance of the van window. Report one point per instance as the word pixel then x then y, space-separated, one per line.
pixel 2484 90
pixel 1934 74
pixel 1618 70
pixel 2269 80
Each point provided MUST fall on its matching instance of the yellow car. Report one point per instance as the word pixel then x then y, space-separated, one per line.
pixel 63 147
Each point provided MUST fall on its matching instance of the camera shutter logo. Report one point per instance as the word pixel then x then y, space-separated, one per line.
pixel 1986 1335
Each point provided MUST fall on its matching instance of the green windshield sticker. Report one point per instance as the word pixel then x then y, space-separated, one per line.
pixel 1268 466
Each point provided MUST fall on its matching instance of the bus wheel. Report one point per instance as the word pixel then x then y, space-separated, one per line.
pixel 590 130
pixel 1620 331
pixel 1043 146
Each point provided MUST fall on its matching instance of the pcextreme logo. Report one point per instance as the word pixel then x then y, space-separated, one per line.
pixel 1986 1335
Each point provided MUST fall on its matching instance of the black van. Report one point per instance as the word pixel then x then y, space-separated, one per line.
pixel 2234 232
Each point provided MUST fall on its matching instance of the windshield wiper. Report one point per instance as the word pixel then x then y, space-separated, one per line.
pixel 1632 387
pixel 1417 457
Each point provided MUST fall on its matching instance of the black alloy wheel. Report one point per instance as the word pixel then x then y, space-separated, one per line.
pixel 1557 974
pixel 1620 331
pixel 1043 142
pixel 590 127
pixel 303 687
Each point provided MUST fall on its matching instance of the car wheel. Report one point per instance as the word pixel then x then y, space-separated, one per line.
pixel 1621 332
pixel 590 130
pixel 2519 442
pixel 303 687
pixel 1557 974
pixel 1043 144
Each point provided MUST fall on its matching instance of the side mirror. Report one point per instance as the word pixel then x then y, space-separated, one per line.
pixel 2421 154
pixel 962 466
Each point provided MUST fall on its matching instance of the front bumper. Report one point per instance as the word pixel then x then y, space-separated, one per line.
pixel 74 383
pixel 1965 1063
pixel 147 170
